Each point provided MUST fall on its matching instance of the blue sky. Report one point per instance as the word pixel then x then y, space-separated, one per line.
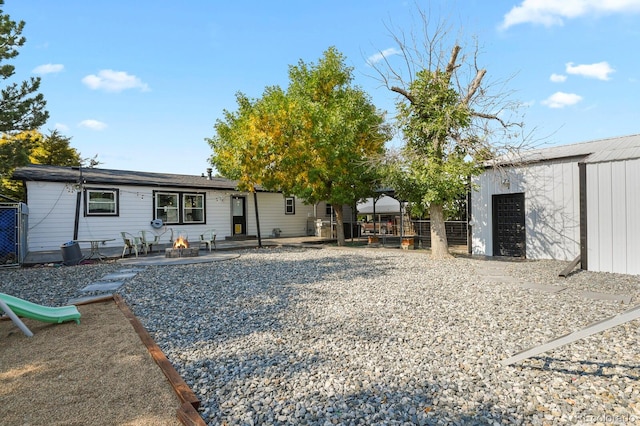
pixel 141 83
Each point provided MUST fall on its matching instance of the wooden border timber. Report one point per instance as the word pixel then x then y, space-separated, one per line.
pixel 570 267
pixel 187 413
pixel 596 327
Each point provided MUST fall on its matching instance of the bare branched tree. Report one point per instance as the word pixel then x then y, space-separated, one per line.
pixel 451 116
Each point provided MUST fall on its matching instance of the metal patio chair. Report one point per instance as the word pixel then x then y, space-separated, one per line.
pixel 131 243
pixel 208 239
pixel 148 240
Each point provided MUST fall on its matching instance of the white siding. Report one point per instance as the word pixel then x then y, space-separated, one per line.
pixel 552 212
pixel 52 208
pixel 51 215
pixel 272 215
pixel 633 221
pixel 480 223
pixel 613 202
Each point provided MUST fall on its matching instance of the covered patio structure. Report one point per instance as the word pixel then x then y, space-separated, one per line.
pixel 376 208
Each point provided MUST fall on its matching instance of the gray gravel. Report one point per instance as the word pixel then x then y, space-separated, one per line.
pixel 377 336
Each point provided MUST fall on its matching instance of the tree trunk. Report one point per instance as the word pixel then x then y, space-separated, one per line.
pixel 339 223
pixel 439 244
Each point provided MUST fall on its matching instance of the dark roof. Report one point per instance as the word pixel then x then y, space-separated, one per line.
pixel 96 176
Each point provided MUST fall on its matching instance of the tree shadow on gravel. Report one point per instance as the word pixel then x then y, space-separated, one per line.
pixel 228 300
pixel 584 367
pixel 271 388
pixel 228 330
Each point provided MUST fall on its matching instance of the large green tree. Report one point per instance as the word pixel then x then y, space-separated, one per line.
pixel 451 118
pixel 312 140
pixel 55 149
pixel 21 107
pixel 32 147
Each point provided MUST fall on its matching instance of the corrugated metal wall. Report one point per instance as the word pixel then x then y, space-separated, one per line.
pixel 613 221
pixel 552 208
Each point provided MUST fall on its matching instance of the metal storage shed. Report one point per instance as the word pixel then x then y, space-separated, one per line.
pixel 563 202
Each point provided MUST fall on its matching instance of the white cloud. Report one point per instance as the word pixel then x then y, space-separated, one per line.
pixel 48 69
pixel 601 70
pixel 114 81
pixel 554 12
pixel 93 124
pixel 374 59
pixel 61 127
pixel 558 78
pixel 561 100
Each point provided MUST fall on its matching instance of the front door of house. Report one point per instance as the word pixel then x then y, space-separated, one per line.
pixel 239 215
pixel 508 225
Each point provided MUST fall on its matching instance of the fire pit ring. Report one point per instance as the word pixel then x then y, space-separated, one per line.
pixel 181 247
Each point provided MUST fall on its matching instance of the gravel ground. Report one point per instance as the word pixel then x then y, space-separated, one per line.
pixel 377 336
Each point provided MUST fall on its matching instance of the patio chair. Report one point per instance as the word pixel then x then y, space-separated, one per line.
pixel 208 239
pixel 131 243
pixel 148 240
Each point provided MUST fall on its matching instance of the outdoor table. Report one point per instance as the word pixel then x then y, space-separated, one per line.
pixel 95 247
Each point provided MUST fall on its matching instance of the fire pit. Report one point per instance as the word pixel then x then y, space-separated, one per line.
pixel 181 248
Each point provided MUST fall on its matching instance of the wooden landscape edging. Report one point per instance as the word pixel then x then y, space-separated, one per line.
pixel 187 413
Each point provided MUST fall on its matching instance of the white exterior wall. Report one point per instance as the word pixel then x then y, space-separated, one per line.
pixel 613 227
pixel 271 209
pixel 552 208
pixel 51 215
pixel 52 207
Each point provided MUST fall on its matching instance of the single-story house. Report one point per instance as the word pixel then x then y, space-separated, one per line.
pixel 563 202
pixel 77 203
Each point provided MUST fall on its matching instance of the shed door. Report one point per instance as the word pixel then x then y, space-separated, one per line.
pixel 239 215
pixel 508 225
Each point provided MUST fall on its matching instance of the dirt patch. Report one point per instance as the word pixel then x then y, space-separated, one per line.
pixel 97 372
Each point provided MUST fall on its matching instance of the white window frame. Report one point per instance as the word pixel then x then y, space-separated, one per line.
pixel 189 210
pixel 182 212
pixel 89 204
pixel 171 213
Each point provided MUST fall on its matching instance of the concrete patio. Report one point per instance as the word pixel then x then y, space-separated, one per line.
pixel 115 253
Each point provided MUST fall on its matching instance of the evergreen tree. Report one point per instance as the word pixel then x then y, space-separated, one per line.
pixel 21 107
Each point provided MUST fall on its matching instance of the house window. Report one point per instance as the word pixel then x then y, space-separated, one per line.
pixel 178 207
pixel 167 207
pixel 193 208
pixel 101 202
pixel 289 205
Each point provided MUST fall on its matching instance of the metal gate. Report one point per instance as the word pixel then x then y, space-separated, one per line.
pixel 508 225
pixel 13 233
